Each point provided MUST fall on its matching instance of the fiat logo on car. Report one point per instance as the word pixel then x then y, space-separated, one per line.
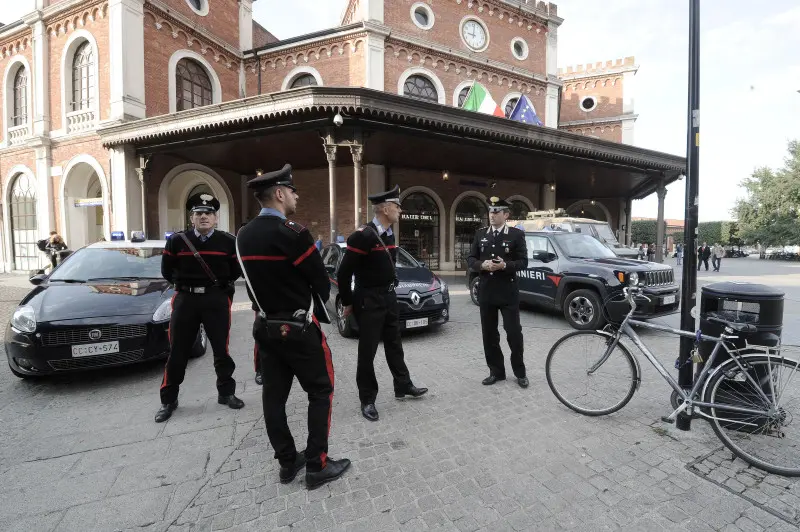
pixel 95 334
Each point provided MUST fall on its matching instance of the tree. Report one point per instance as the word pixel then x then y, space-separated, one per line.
pixel 769 212
pixel 644 231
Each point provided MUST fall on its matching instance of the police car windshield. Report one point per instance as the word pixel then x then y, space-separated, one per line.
pixel 404 260
pixel 605 233
pixel 111 263
pixel 581 246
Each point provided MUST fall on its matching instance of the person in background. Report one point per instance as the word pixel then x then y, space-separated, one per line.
pixel 679 251
pixel 642 252
pixel 55 245
pixel 651 252
pixel 318 243
pixel 703 253
pixel 717 253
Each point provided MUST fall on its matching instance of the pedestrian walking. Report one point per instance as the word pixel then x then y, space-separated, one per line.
pixel 679 252
pixel 651 252
pixel 498 252
pixel 370 257
pixel 703 254
pixel 284 271
pixel 718 253
pixel 55 246
pixel 642 252
pixel 201 264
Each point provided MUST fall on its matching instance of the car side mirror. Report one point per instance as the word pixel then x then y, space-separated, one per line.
pixel 38 279
pixel 543 256
pixel 422 264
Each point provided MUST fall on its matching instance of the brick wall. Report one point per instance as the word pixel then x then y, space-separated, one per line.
pixel 606 90
pixel 340 64
pixel 222 19
pixel 10 158
pixel 446 30
pixel 451 74
pixel 160 44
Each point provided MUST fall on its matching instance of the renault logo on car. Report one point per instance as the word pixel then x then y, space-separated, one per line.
pixel 415 299
pixel 95 334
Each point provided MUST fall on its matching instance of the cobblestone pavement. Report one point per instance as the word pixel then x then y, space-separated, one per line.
pixel 82 452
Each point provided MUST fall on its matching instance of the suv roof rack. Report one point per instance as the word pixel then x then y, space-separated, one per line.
pixel 552 213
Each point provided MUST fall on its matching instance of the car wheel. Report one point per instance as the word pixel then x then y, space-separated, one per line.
pixel 342 323
pixel 583 310
pixel 473 290
pixel 200 345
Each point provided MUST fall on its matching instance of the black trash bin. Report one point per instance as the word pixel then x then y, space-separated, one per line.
pixel 735 302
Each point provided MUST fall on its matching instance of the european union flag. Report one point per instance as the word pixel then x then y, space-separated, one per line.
pixel 524 112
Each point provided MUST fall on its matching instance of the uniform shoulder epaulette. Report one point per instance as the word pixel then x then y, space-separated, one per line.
pixel 294 226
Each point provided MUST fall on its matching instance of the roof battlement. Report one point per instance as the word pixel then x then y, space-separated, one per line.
pixel 599 68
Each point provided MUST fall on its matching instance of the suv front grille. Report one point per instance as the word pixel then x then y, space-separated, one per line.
pixel 659 278
pixel 80 335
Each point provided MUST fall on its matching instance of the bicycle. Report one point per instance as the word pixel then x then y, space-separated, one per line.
pixel 746 399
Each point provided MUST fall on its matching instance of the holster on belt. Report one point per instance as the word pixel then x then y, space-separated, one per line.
pixel 285 326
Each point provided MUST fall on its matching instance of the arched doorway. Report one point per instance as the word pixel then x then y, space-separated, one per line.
pixel 83 202
pixel 470 215
pixel 24 227
pixel 589 209
pixel 179 185
pixel 519 210
pixel 419 228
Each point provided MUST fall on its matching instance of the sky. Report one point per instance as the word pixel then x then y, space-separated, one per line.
pixel 749 79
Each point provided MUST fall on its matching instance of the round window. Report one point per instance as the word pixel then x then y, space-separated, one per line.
pixel 588 103
pixel 199 6
pixel 422 15
pixel 519 48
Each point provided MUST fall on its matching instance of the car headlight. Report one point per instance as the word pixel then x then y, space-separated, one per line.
pixel 163 312
pixel 633 279
pixel 24 319
pixel 444 286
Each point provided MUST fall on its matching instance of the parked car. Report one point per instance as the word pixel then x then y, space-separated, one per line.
pixel 423 298
pixel 579 276
pixel 105 305
pixel 559 221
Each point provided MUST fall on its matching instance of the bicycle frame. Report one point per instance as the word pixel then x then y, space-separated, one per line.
pixel 688 401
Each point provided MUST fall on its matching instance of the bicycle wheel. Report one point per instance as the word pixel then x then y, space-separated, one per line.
pixel 770 442
pixel 602 392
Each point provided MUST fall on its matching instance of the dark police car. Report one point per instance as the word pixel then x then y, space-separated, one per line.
pixel 423 298
pixel 576 274
pixel 105 305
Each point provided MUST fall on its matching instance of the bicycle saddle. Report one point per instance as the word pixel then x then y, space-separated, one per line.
pixel 737 327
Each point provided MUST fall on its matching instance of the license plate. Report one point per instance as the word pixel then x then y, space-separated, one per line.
pixel 422 322
pixel 668 300
pixel 87 350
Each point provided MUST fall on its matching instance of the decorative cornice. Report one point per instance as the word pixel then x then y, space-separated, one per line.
pixel 350 12
pixel 12 47
pixel 302 53
pixel 378 106
pixel 76 18
pixel 534 15
pixel 162 15
pixel 591 122
pixel 598 70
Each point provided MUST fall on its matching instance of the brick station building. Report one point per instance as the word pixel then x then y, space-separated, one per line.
pixel 115 111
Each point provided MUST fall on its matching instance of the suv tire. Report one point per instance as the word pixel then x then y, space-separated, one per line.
pixel 583 310
pixel 343 324
pixel 473 289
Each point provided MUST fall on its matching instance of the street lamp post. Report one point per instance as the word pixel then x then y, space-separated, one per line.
pixel 689 283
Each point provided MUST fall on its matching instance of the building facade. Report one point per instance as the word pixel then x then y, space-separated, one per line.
pixel 75 69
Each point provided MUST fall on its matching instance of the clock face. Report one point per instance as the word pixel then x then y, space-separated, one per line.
pixel 474 34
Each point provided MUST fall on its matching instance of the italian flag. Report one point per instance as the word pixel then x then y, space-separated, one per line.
pixel 481 101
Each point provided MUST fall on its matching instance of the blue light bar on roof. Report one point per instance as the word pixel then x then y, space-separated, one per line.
pixel 340 239
pixel 117 235
pixel 168 234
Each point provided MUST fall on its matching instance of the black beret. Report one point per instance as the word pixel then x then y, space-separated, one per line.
pixel 202 202
pixel 282 177
pixel 390 195
pixel 496 204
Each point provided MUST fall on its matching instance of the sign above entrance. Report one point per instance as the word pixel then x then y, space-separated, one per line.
pixel 89 202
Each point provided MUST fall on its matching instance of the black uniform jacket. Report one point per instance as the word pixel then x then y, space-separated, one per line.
pixel 283 264
pixel 500 287
pixel 368 259
pixel 180 267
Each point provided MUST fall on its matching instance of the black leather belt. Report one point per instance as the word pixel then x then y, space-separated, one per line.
pixel 298 316
pixel 195 289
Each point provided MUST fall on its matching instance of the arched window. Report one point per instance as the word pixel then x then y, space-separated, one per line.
pixel 83 80
pixel 20 113
pixel 304 80
pixel 420 88
pixel 462 96
pixel 24 231
pixel 193 86
pixel 510 106
pixel 519 210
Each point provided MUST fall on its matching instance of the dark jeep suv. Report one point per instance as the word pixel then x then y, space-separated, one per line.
pixel 576 274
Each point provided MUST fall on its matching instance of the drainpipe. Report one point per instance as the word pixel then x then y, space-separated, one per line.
pixel 140 172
